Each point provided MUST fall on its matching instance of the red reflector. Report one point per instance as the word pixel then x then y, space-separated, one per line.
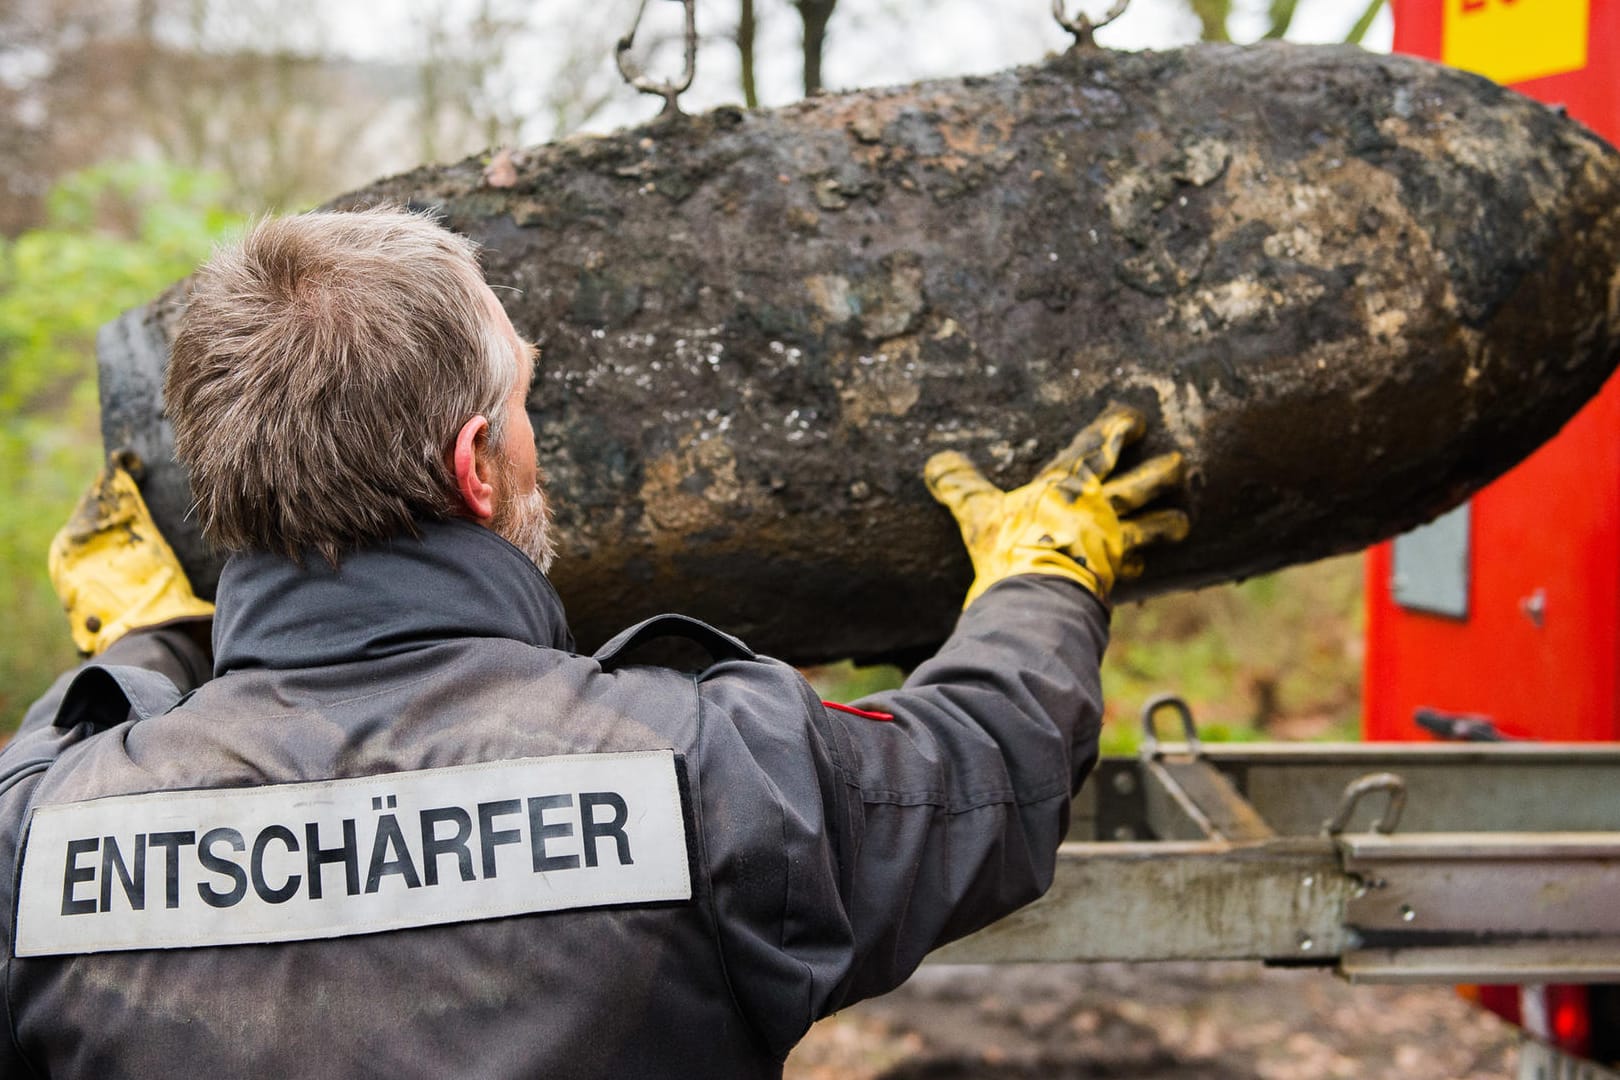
pixel 858 712
pixel 1570 1021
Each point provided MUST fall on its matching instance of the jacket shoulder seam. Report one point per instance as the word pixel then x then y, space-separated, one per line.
pixel 945 804
pixel 813 711
pixel 711 904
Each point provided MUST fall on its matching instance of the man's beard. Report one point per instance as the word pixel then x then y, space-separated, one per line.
pixel 523 519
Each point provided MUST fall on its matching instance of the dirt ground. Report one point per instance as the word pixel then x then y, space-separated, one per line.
pixel 1143 1022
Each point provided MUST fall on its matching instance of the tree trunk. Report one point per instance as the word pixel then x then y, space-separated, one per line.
pixel 1350 288
pixel 814 14
pixel 747 30
pixel 1212 16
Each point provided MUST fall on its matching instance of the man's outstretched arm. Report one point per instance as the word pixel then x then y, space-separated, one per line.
pixel 951 813
pixel 1001 726
pixel 943 809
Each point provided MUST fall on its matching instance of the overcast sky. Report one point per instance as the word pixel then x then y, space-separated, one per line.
pixel 871 42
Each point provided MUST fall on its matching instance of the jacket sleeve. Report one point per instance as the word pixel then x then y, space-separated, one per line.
pixel 901 835
pixel 170 651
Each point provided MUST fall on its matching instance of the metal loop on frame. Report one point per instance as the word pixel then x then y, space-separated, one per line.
pixel 1353 793
pixel 1150 737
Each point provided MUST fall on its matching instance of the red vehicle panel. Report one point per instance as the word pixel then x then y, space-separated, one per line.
pixel 1527 637
pixel 1538 651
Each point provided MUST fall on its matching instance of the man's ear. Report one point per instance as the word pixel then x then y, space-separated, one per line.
pixel 474 468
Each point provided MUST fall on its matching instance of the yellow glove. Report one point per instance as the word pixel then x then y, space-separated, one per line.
pixel 1067 522
pixel 112 568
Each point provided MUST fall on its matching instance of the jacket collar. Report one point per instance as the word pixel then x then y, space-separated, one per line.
pixel 453 580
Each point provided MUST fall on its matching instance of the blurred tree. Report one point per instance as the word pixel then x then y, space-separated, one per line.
pixel 250 91
pixel 1212 16
pixel 113 236
pixel 1215 18
pixel 241 88
pixel 1281 16
pixel 465 101
pixel 814 18
pixel 815 15
pixel 1358 32
pixel 271 94
pixel 747 38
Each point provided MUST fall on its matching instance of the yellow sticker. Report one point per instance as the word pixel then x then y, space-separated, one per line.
pixel 1513 41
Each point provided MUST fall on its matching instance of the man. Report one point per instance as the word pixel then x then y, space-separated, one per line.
pixel 404 830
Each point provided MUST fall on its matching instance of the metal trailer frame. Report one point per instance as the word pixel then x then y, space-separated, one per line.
pixel 1489 862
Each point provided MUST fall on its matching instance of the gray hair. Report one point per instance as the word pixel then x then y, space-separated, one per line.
pixel 320 373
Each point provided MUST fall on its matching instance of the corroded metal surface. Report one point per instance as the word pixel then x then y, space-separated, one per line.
pixel 1497 888
pixel 1281 900
pixel 1351 288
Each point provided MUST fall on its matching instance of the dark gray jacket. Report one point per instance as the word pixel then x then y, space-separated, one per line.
pixel 829 852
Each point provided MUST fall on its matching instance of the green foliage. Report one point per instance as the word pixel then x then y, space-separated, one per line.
pixel 844 682
pixel 115 236
pixel 1276 657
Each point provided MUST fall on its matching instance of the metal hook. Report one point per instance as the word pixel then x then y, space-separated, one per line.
pixel 1082 27
pixel 669 91
pixel 1394 785
pixel 1150 738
